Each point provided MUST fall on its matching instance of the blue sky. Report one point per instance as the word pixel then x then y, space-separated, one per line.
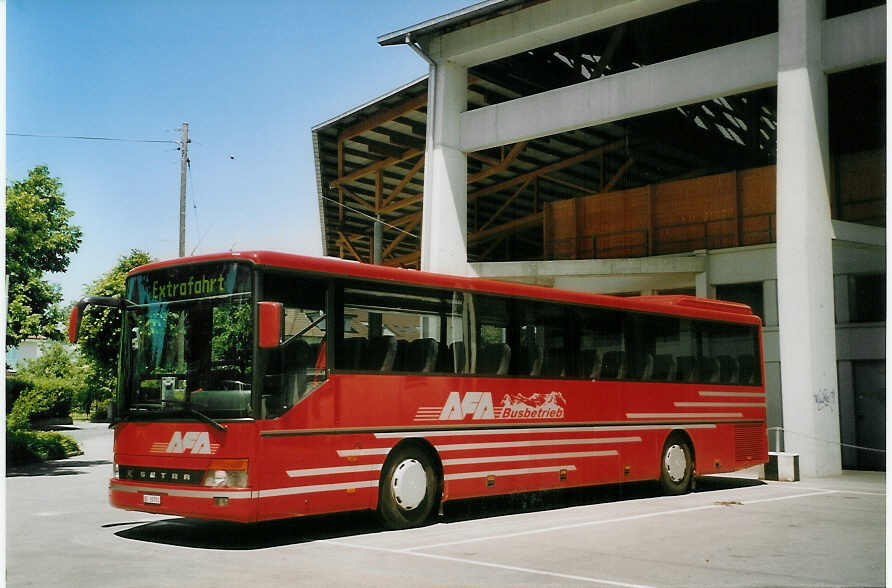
pixel 250 78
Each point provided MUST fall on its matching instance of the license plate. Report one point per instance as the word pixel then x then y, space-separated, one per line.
pixel 151 499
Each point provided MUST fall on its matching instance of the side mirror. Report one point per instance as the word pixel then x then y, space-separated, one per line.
pixel 74 323
pixel 77 313
pixel 270 319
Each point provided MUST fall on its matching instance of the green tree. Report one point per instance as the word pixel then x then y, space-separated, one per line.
pixel 59 362
pixel 100 333
pixel 39 239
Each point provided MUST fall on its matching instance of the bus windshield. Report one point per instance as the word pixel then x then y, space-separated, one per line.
pixel 188 343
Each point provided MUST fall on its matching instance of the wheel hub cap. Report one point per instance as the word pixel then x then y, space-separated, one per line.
pixel 676 463
pixel 409 484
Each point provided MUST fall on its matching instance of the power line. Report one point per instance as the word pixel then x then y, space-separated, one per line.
pixel 86 138
pixel 368 216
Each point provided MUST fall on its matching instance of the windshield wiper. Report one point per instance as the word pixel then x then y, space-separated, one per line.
pixel 184 408
pixel 187 408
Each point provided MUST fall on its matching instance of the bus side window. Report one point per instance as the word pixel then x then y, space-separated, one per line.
pixel 401 330
pixel 728 354
pixel 293 370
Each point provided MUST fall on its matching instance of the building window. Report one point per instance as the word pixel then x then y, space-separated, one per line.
pixel 749 294
pixel 867 298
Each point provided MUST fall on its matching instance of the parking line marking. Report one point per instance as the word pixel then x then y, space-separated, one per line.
pixel 490 565
pixel 842 491
pixel 599 522
pixel 791 497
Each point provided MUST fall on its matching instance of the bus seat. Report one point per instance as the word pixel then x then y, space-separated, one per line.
pixel 612 366
pixel 709 370
pixel 421 356
pixel 664 367
pixel 457 356
pixel 494 359
pixel 747 369
pixel 535 361
pixel 727 369
pixel 686 368
pixel 402 362
pixel 585 364
pixel 647 367
pixel 349 353
pixel 553 364
pixel 381 354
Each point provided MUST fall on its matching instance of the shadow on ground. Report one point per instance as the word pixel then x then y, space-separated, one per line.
pixel 59 467
pixel 222 535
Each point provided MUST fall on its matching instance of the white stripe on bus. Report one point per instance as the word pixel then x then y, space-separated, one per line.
pixel 737 394
pixel 209 493
pixel 539 443
pixel 537 430
pixel 534 456
pixel 315 488
pixel 517 472
pixel 682 415
pixel 334 470
pixel 719 404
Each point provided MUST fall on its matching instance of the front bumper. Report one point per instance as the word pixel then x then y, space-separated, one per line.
pixel 227 504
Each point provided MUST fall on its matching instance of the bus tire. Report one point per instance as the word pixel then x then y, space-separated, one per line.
pixel 408 490
pixel 676 465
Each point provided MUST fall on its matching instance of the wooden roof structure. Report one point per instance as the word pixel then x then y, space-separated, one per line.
pixel 370 161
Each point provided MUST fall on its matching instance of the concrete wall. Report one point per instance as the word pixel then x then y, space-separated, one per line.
pixel 797 274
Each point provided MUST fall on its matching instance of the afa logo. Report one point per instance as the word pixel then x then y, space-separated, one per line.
pixel 479 406
pixel 192 441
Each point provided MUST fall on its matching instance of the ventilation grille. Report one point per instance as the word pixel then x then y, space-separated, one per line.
pixel 749 442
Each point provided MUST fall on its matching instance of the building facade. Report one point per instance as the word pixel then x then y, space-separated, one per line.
pixel 725 149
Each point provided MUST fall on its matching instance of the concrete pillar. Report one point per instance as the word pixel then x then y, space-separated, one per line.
pixel 445 213
pixel 804 243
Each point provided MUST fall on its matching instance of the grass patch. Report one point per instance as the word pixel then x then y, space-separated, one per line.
pixel 34 446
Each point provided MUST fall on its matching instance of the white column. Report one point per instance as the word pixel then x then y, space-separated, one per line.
pixel 804 244
pixel 445 213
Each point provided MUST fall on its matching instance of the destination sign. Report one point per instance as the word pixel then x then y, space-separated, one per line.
pixel 188 282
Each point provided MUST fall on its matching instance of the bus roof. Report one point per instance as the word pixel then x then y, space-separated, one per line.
pixel 681 305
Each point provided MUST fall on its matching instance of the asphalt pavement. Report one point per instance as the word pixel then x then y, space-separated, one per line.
pixel 733 531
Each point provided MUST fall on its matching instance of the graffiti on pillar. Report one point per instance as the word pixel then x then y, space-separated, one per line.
pixel 825 399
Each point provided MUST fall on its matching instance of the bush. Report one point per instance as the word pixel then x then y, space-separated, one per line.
pixel 99 411
pixel 31 446
pixel 14 388
pixel 42 398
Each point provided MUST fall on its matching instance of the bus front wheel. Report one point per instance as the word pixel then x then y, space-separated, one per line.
pixel 408 491
pixel 676 465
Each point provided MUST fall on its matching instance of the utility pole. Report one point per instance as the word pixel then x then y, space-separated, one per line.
pixel 184 153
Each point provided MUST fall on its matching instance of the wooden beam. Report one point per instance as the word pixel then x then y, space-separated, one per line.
pixel 349 246
pixel 505 204
pixel 501 166
pixel 372 168
pixel 340 173
pixel 404 220
pixel 399 238
pixel 358 201
pixel 545 170
pixel 619 174
pixel 492 247
pixel 384 116
pixel 405 182
pixel 402 203
pixel 408 259
pixel 582 189
pixel 515 225
pixel 379 188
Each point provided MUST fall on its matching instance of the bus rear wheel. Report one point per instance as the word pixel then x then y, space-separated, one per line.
pixel 408 492
pixel 676 465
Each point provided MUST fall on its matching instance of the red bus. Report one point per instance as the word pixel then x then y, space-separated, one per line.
pixel 260 385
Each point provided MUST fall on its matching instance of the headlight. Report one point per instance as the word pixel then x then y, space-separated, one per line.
pixel 227 473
